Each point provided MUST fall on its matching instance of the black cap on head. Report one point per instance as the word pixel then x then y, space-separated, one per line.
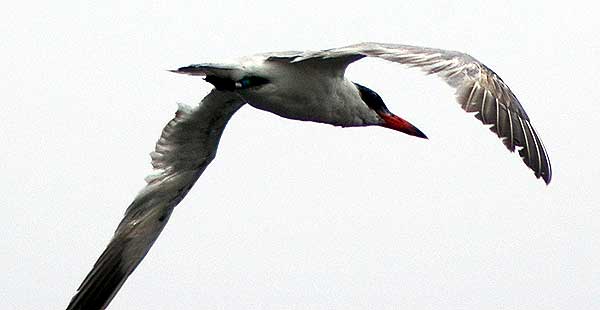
pixel 372 99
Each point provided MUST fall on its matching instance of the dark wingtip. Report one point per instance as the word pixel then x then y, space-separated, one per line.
pixel 547 177
pixel 103 282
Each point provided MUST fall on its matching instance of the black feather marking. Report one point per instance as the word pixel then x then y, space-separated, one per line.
pixel 372 99
pixel 227 84
pixel 221 83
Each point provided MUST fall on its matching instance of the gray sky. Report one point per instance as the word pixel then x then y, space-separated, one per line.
pixel 295 215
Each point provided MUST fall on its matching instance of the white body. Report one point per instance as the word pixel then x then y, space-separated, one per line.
pixel 302 91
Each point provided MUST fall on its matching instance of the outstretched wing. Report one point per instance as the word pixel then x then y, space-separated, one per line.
pixel 478 90
pixel 187 145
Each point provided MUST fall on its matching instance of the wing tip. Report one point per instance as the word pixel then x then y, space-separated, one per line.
pixel 547 179
pixel 102 283
pixel 546 175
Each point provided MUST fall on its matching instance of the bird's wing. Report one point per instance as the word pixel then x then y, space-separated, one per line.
pixel 478 90
pixel 187 145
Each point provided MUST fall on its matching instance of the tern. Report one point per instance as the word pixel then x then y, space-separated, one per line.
pixel 307 86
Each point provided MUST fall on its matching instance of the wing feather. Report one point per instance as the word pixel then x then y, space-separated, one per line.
pixel 478 89
pixel 186 146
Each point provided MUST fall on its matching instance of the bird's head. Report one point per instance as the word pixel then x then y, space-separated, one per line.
pixel 389 120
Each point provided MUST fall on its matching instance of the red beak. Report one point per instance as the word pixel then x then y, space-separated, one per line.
pixel 397 123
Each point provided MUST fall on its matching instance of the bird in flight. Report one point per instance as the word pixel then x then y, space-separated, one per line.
pixel 307 86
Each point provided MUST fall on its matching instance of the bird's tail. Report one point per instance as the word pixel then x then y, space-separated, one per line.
pixel 222 76
pixel 212 69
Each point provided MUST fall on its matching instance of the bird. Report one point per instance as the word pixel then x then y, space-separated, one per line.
pixel 297 85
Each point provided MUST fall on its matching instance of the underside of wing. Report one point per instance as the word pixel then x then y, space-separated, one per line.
pixel 478 89
pixel 187 145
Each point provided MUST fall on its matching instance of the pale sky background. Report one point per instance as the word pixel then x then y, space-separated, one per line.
pixel 295 215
